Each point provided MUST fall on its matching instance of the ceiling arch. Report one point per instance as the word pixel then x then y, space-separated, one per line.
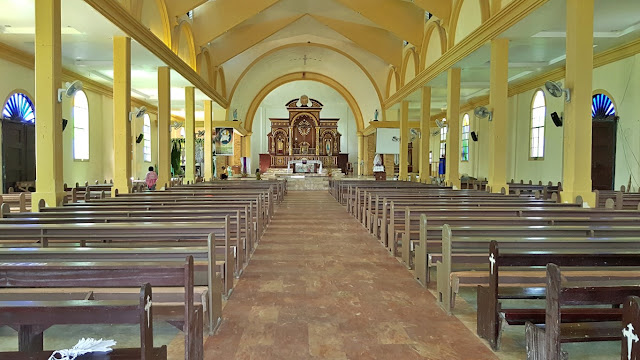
pixel 320 60
pixel 297 76
pixel 354 60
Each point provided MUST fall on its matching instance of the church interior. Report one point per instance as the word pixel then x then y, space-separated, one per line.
pixel 320 179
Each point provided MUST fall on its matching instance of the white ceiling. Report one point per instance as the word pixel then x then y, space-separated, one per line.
pixel 537 44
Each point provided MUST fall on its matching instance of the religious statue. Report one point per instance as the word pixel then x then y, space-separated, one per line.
pixel 377 164
pixel 375 115
pixel 304 100
pixel 235 114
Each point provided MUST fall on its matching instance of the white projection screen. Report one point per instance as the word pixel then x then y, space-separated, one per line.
pixel 385 143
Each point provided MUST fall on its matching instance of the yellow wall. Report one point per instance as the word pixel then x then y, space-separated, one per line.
pixel 468 20
pixel 100 164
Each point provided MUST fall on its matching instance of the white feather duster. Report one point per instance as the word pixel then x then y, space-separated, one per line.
pixel 84 346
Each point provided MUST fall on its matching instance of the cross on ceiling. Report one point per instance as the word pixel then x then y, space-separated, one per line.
pixel 305 58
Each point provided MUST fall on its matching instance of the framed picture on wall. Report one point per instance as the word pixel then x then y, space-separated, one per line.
pixel 223 141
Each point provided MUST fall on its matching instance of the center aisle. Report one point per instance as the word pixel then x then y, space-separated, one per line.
pixel 319 286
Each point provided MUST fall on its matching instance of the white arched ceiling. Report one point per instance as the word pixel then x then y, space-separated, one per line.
pixel 152 17
pixel 409 66
pixel 303 31
pixel 288 60
pixel 470 18
pixel 434 49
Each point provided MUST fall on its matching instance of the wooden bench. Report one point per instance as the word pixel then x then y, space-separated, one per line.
pixel 409 234
pixel 32 318
pixel 18 201
pixel 465 247
pixel 525 281
pixel 582 322
pixel 124 234
pixel 239 231
pixel 115 275
pixel 209 272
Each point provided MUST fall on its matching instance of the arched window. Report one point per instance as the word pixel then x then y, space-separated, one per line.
pixel 538 114
pixel 19 108
pixel 465 137
pixel 443 140
pixel 602 107
pixel 80 126
pixel 146 132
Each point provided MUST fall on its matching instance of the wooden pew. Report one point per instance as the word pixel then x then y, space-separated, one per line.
pixel 239 230
pixel 409 233
pixel 32 318
pixel 19 201
pixel 209 272
pixel 466 248
pixel 124 234
pixel 114 275
pixel 582 322
pixel 522 271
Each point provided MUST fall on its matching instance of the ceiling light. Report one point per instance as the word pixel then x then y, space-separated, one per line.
pixel 31 30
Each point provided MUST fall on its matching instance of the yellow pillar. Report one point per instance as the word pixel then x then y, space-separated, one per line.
pixel 164 119
pixel 452 176
pixel 425 133
pixel 360 168
pixel 246 151
pixel 576 170
pixel 121 110
pixel 189 134
pixel 403 171
pixel 48 76
pixel 498 97
pixel 208 143
pixel 368 163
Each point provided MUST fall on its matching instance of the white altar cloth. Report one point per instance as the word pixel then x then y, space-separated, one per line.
pixel 305 161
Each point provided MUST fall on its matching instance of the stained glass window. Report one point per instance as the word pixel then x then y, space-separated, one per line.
pixel 146 132
pixel 443 140
pixel 602 106
pixel 538 114
pixel 465 137
pixel 80 126
pixel 19 108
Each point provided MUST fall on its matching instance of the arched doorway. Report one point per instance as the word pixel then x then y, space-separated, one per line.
pixel 18 141
pixel 604 128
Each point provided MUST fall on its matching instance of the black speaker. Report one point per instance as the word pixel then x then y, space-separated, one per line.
pixel 64 124
pixel 139 138
pixel 557 120
pixel 474 136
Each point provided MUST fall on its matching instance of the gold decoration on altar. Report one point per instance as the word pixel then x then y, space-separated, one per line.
pixel 304 127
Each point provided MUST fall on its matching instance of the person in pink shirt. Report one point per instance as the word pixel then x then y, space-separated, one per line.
pixel 151 178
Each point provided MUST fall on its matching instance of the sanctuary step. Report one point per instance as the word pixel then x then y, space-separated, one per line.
pixel 303 181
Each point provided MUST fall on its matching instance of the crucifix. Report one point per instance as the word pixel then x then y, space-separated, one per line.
pixel 305 59
pixel 492 260
pixel 631 338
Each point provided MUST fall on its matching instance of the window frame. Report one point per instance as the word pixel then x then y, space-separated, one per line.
pixel 146 132
pixel 532 127
pixel 464 138
pixel 76 157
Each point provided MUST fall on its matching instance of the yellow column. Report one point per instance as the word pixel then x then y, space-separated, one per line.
pixel 208 144
pixel 452 176
pixel 121 110
pixel 164 119
pixel 576 171
pixel 189 133
pixel 48 76
pixel 360 169
pixel 404 141
pixel 425 133
pixel 246 146
pixel 498 97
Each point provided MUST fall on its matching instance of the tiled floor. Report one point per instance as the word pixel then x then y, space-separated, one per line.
pixel 320 287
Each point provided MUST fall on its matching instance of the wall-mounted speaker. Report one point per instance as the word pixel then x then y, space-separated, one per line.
pixel 64 124
pixel 474 136
pixel 139 138
pixel 557 120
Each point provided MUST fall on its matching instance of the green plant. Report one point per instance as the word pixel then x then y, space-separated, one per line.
pixel 175 157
